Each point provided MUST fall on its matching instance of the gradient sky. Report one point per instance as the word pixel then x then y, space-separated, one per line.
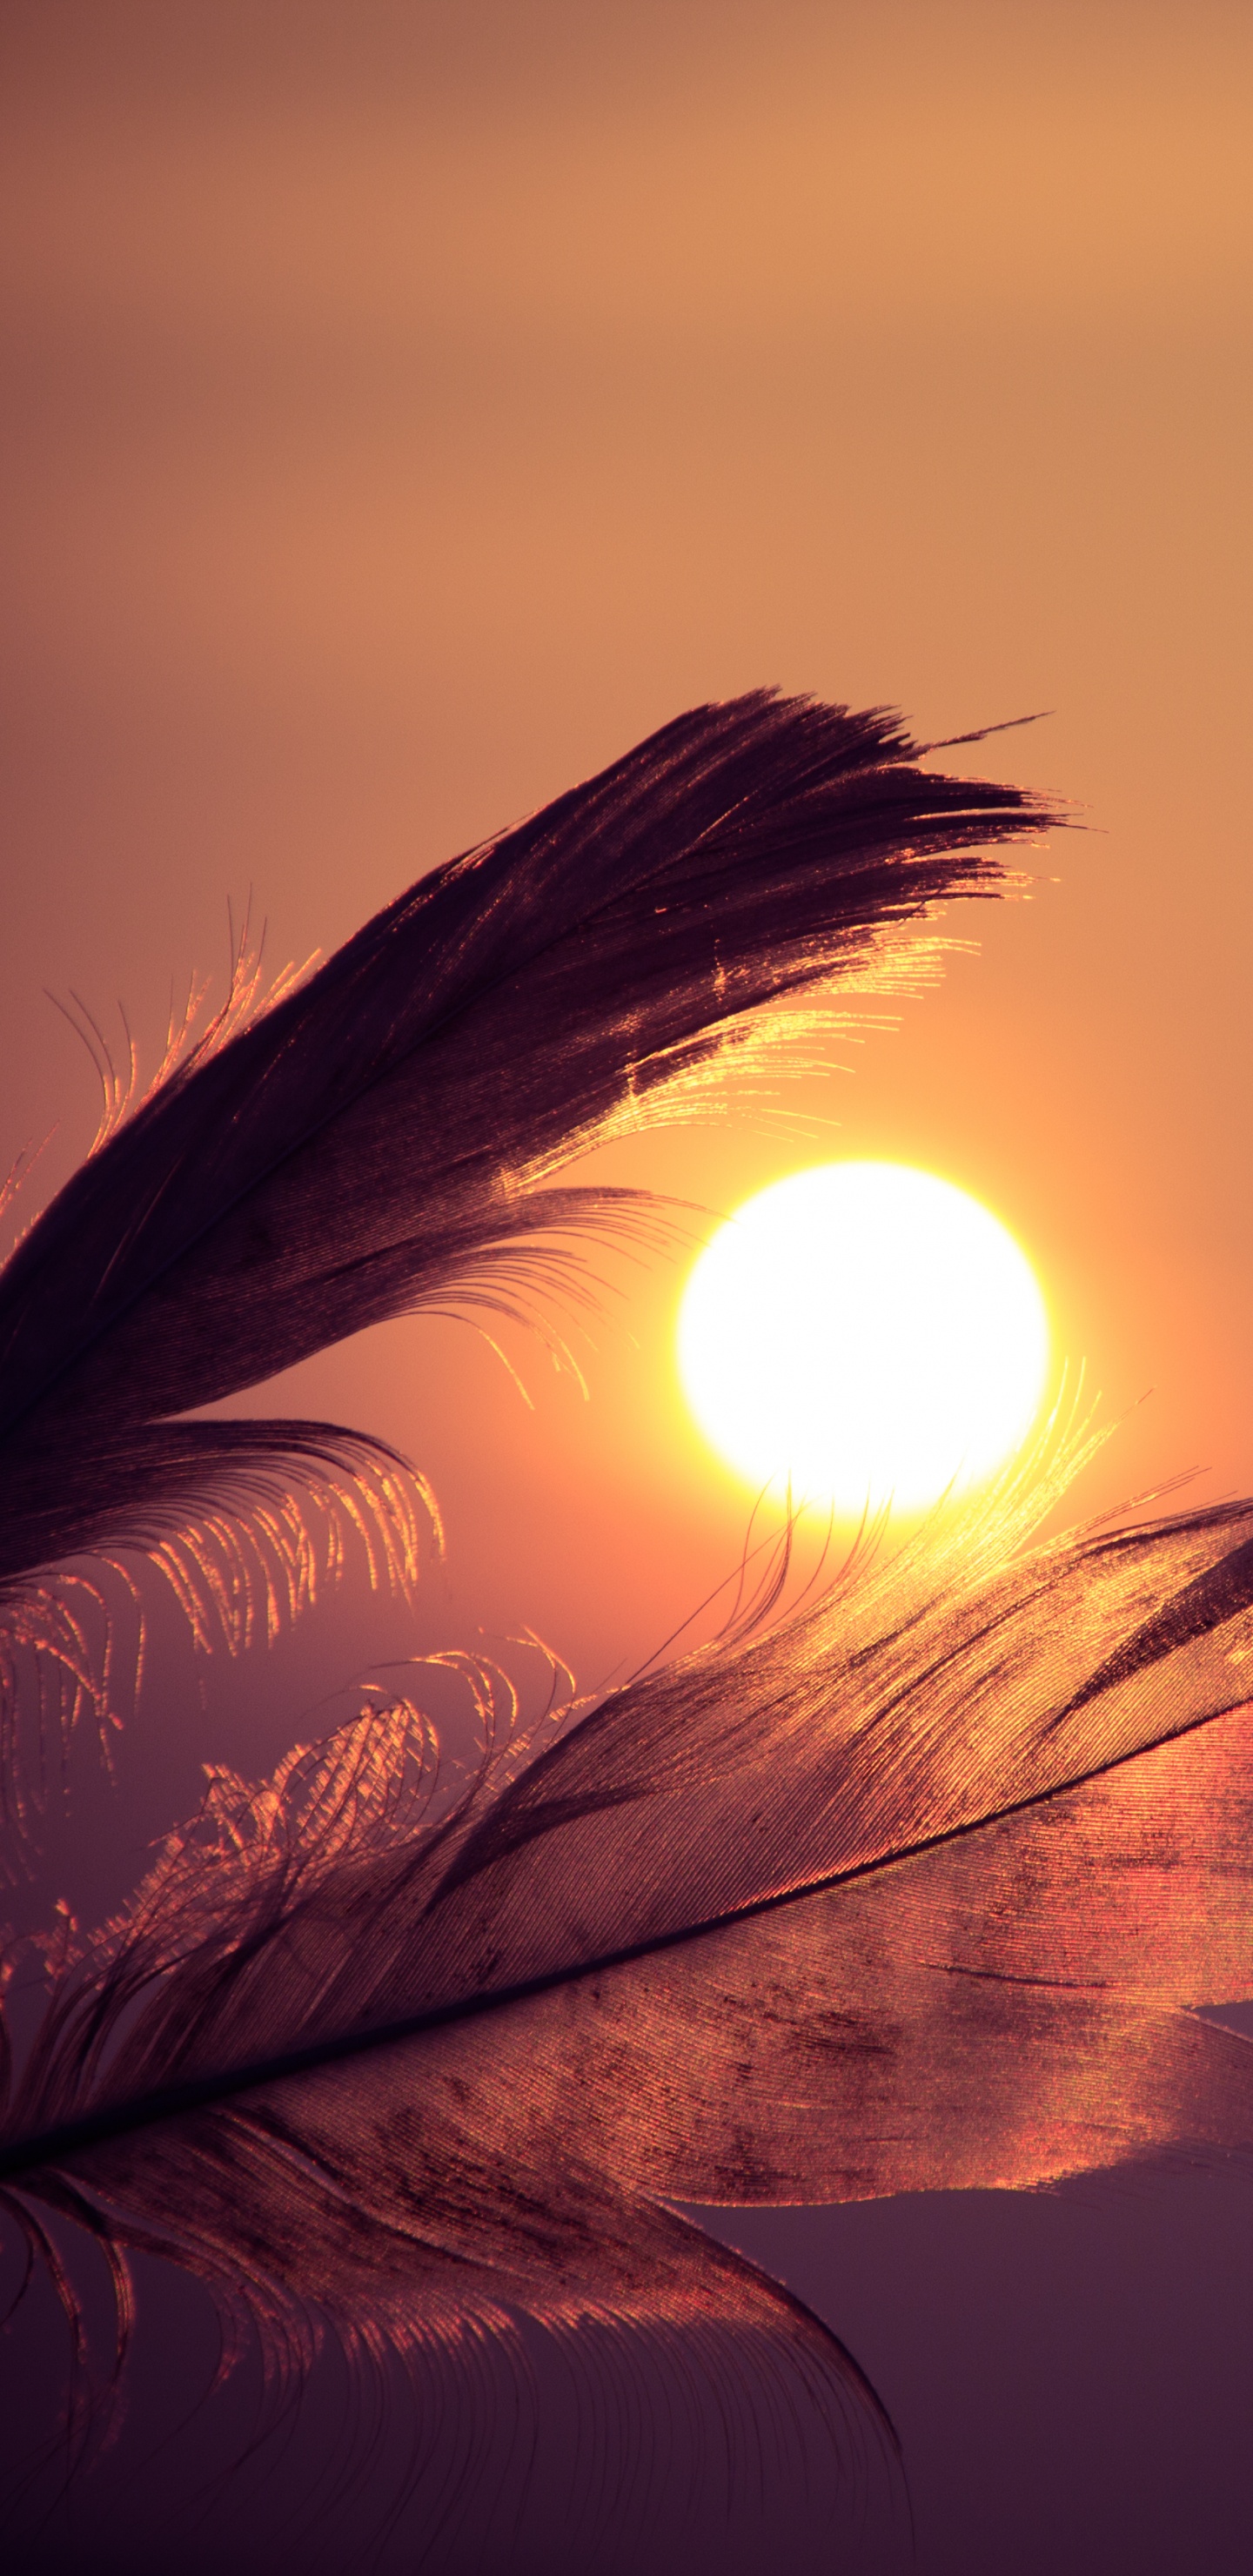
pixel 407 409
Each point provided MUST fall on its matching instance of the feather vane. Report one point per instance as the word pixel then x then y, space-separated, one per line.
pixel 782 1922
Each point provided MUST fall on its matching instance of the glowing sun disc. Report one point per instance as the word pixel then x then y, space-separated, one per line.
pixel 867 1330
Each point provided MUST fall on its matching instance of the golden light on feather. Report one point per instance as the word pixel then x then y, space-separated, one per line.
pixel 868 1332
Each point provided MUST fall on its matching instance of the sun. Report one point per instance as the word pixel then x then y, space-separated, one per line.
pixel 868 1332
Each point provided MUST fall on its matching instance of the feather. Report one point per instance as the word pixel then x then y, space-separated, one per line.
pixel 377 1139
pixel 906 1894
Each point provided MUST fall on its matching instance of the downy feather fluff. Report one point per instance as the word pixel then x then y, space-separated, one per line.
pixel 909 1892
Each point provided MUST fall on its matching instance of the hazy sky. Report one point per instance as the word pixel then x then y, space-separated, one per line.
pixel 406 409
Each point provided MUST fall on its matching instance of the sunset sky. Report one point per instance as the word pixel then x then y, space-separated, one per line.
pixel 406 409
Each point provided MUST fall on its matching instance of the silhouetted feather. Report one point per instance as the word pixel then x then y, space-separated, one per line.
pixel 906 1894
pixel 377 1138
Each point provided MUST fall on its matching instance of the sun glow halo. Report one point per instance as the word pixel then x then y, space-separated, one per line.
pixel 868 1331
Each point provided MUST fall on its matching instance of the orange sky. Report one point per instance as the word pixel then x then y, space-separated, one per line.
pixel 408 409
